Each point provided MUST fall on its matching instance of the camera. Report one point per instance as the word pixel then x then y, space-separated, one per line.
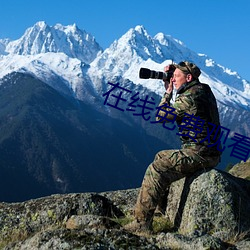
pixel 145 73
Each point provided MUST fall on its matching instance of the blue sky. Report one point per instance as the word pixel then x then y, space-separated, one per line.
pixel 218 28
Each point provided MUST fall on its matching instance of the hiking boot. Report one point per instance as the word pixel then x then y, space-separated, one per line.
pixel 140 227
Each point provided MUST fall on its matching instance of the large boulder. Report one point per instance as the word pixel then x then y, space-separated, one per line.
pixel 210 202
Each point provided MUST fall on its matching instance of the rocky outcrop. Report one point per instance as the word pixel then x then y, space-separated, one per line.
pixel 241 170
pixel 210 202
pixel 209 210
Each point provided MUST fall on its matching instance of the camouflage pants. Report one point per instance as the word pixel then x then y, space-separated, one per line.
pixel 167 167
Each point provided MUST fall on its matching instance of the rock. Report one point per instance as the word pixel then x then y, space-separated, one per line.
pixel 63 239
pixel 20 220
pixel 209 210
pixel 124 199
pixel 212 202
pixel 178 241
pixel 241 170
pixel 90 221
pixel 243 245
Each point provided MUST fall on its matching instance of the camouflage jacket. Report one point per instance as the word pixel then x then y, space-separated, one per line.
pixel 196 114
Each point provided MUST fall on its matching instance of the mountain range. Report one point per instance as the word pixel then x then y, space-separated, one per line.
pixel 58 134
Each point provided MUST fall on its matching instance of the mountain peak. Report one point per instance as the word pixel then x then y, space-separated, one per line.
pixel 69 28
pixel 140 29
pixel 41 24
pixel 42 38
pixel 133 48
pixel 162 38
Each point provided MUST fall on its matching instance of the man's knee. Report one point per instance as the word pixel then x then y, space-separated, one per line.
pixel 162 161
pixel 164 154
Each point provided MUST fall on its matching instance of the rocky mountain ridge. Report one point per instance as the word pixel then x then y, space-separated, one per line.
pixel 70 40
pixel 51 143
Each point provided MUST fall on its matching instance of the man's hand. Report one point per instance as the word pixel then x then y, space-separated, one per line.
pixel 168 85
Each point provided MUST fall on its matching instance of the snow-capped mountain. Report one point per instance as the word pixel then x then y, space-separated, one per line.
pixel 41 38
pixel 71 61
pixel 53 53
pixel 77 58
pixel 64 73
pixel 137 49
pixel 55 138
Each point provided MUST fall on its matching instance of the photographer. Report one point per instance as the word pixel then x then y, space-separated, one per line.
pixel 193 100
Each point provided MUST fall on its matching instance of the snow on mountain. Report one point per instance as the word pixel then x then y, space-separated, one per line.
pixel 127 53
pixel 137 49
pixel 73 56
pixel 3 43
pixel 42 38
pixel 57 55
pixel 63 73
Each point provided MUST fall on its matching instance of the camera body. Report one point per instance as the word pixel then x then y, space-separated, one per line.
pixel 146 73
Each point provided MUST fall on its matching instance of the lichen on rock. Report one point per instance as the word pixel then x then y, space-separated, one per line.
pixel 209 210
pixel 211 202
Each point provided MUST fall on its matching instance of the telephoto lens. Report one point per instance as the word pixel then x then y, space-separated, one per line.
pixel 144 73
pixel 147 73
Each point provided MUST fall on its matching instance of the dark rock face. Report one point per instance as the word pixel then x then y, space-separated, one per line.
pixel 49 143
pixel 208 210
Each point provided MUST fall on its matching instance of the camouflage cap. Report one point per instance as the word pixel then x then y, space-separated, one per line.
pixel 189 68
